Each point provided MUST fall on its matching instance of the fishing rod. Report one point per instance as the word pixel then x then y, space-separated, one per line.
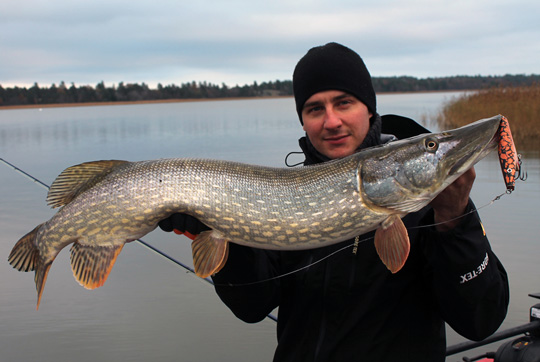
pixel 148 246
pixel 209 280
pixel 532 328
pixel 525 348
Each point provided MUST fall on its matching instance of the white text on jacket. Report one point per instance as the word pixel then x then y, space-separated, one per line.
pixel 473 274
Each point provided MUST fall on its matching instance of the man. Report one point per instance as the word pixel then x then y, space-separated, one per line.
pixel 349 307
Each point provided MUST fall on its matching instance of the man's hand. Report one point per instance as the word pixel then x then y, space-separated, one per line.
pixel 452 201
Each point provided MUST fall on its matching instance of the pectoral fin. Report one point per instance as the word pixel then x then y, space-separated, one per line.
pixel 210 252
pixel 392 243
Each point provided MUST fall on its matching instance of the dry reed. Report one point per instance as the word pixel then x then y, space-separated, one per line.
pixel 520 105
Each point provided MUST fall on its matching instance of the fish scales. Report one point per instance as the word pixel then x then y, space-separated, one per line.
pixel 282 204
pixel 105 204
pixel 251 205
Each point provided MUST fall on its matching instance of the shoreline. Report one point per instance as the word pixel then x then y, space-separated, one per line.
pixel 128 103
pixel 179 100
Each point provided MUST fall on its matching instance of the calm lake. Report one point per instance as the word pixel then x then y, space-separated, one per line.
pixel 150 309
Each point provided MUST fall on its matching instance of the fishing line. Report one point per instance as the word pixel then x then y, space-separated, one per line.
pixel 209 280
pixel 356 242
pixel 188 269
pixel 497 198
pixel 292 271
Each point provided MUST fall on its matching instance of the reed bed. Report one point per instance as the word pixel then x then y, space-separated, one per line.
pixel 520 105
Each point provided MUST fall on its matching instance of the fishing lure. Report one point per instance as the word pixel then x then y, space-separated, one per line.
pixel 508 157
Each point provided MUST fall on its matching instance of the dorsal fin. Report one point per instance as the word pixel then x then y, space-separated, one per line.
pixel 76 179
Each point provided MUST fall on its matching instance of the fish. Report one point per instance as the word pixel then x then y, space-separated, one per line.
pixel 106 204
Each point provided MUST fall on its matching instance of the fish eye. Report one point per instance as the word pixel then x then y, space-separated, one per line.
pixel 431 145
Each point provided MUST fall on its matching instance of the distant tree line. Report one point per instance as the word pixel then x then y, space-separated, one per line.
pixel 63 93
pixel 462 82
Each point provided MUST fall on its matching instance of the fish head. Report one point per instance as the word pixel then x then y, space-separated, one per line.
pixel 406 175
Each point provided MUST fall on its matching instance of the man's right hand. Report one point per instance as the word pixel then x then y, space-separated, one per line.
pixel 183 224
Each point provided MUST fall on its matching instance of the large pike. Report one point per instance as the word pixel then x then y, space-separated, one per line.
pixel 108 203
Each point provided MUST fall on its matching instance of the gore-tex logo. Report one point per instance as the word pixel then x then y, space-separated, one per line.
pixel 476 272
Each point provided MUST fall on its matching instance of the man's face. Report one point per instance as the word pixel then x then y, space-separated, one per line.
pixel 335 122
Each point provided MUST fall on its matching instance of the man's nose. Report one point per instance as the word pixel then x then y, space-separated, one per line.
pixel 332 119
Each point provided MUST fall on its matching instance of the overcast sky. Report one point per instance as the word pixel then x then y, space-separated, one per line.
pixel 241 41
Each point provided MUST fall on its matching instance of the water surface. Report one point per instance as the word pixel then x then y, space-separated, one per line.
pixel 150 309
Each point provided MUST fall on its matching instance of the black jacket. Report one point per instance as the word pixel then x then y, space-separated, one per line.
pixel 349 307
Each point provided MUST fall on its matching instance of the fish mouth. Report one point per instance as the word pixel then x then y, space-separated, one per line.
pixel 466 162
pixel 474 142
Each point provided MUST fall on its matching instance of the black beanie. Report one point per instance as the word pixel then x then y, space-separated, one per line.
pixel 332 67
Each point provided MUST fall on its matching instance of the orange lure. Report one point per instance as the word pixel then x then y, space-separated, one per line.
pixel 508 156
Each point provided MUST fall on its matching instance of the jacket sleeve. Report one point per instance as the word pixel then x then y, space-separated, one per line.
pixel 245 283
pixel 469 281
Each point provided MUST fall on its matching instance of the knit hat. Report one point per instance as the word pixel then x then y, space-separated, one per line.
pixel 332 67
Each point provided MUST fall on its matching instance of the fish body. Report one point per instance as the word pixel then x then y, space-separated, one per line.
pixel 105 204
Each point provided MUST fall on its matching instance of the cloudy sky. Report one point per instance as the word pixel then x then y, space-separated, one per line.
pixel 241 41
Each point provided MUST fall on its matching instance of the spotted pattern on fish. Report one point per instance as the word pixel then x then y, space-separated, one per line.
pixel 105 204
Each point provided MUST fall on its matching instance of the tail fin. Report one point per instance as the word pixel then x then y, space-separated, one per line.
pixel 25 257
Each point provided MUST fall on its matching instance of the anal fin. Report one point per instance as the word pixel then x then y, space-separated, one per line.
pixel 91 265
pixel 392 243
pixel 210 252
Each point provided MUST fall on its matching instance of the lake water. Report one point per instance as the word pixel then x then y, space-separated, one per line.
pixel 150 309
